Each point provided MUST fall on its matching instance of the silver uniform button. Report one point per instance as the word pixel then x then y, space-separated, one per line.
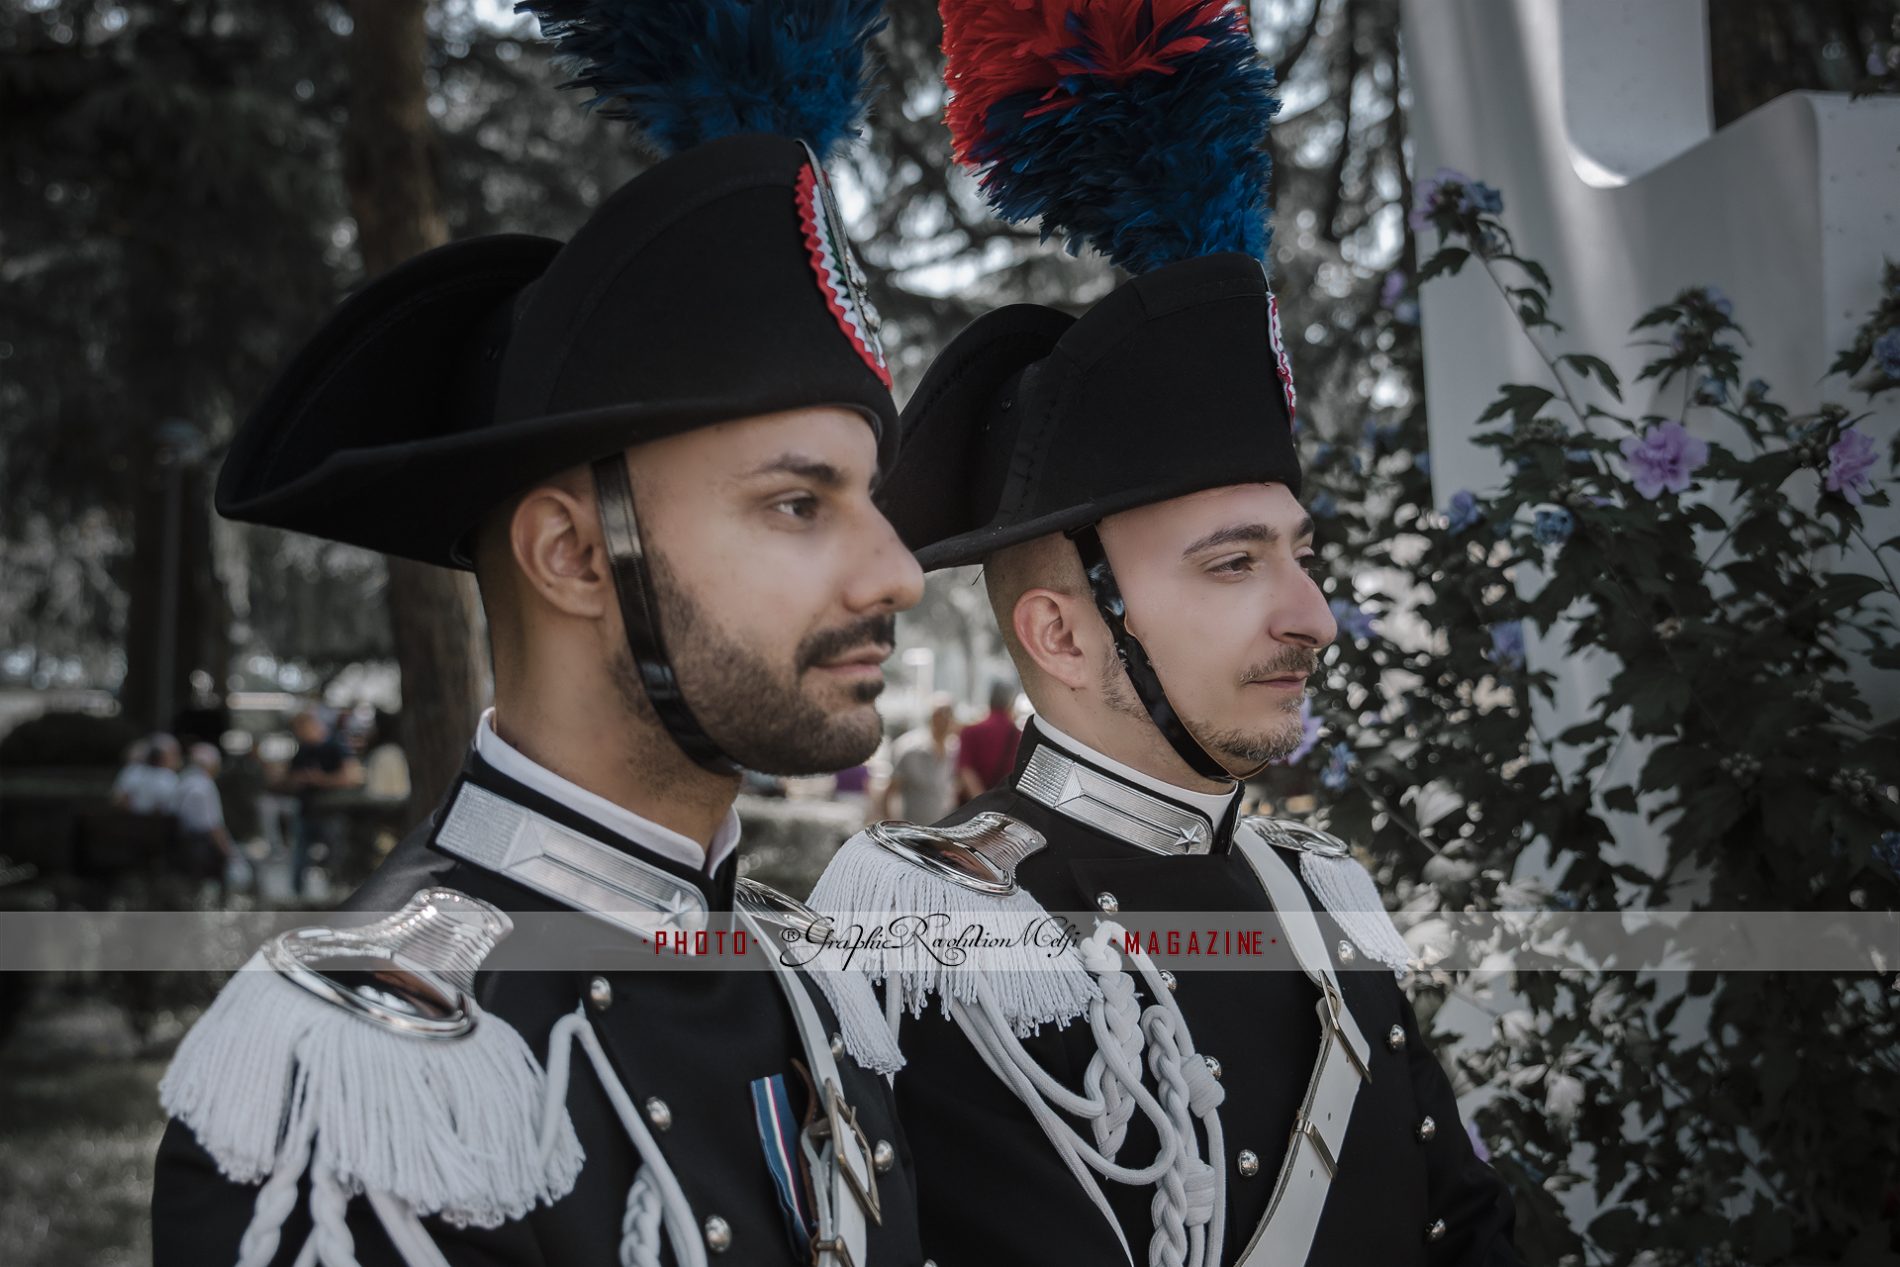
pixel 1213 1065
pixel 837 1045
pixel 600 994
pixel 1249 1163
pixel 1426 1130
pixel 718 1234
pixel 1167 979
pixel 883 1156
pixel 1436 1231
pixel 1346 953
pixel 658 1113
pixel 1395 1038
pixel 1107 902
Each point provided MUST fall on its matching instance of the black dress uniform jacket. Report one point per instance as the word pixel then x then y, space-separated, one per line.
pixel 694 1039
pixel 994 1191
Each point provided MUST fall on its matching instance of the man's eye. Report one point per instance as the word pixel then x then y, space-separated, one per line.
pixel 1309 563
pixel 1234 566
pixel 799 506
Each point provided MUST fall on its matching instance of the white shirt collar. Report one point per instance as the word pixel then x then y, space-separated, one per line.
pixel 664 841
pixel 1212 804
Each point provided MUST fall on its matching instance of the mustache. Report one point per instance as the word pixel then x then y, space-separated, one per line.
pixel 1293 660
pixel 829 644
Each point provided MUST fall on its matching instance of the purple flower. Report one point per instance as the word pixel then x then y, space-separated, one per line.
pixel 1477 1142
pixel 1428 197
pixel 1507 644
pixel 1309 735
pixel 1848 461
pixel 1339 763
pixel 1552 526
pixel 1714 298
pixel 1887 352
pixel 1352 619
pixel 1888 850
pixel 1464 510
pixel 1665 458
pixel 1396 284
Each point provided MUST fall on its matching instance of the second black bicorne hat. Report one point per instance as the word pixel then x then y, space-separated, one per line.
pixel 1033 422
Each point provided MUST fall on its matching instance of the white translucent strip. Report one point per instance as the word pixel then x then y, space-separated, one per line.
pixel 1233 941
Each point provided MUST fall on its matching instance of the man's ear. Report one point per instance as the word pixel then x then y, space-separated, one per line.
pixel 555 537
pixel 1053 629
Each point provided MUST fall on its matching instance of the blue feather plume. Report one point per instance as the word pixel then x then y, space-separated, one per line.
pixel 1148 168
pixel 684 72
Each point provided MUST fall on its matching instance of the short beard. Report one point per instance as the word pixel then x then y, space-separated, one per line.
pixel 757 714
pixel 1245 748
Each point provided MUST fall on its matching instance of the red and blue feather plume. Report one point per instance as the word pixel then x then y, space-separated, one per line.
pixel 684 72
pixel 1137 127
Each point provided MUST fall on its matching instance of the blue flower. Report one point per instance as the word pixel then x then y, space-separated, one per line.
pixel 1507 644
pixel 1353 620
pixel 1423 461
pixel 1888 850
pixel 1711 391
pixel 1714 298
pixel 1552 526
pixel 1464 510
pixel 1339 763
pixel 1887 352
pixel 1756 389
pixel 1321 453
pixel 1323 506
pixel 1482 198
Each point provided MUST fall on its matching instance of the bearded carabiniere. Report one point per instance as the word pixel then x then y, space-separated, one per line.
pixel 1129 481
pixel 655 445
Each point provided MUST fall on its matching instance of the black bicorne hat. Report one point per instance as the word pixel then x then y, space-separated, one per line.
pixel 1137 128
pixel 706 289
pixel 1033 422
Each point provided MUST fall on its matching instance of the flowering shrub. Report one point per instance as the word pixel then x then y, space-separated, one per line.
pixel 1715 562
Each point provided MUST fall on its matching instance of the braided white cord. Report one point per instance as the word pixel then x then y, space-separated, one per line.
pixel 276 1199
pixel 640 1225
pixel 329 1207
pixel 682 1230
pixel 1196 1194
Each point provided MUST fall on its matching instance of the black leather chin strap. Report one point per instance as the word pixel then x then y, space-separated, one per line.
pixel 640 612
pixel 1107 593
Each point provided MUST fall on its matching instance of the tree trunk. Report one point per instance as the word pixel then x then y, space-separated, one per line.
pixel 388 152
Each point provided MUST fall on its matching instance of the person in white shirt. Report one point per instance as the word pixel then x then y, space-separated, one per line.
pixel 205 840
pixel 923 784
pixel 149 782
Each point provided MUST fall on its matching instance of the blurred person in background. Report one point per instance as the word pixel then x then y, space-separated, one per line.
pixel 924 768
pixel 986 750
pixel 205 842
pixel 149 782
pixel 321 764
pixel 385 767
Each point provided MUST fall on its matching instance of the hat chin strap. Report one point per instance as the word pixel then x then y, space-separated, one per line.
pixel 640 613
pixel 1134 657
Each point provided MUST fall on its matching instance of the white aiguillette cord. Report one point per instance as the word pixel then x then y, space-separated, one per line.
pixel 1286 1234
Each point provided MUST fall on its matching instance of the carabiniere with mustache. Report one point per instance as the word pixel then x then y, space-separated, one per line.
pixel 1130 483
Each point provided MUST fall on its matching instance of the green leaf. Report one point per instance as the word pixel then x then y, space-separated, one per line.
pixel 1595 367
pixel 1447 260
